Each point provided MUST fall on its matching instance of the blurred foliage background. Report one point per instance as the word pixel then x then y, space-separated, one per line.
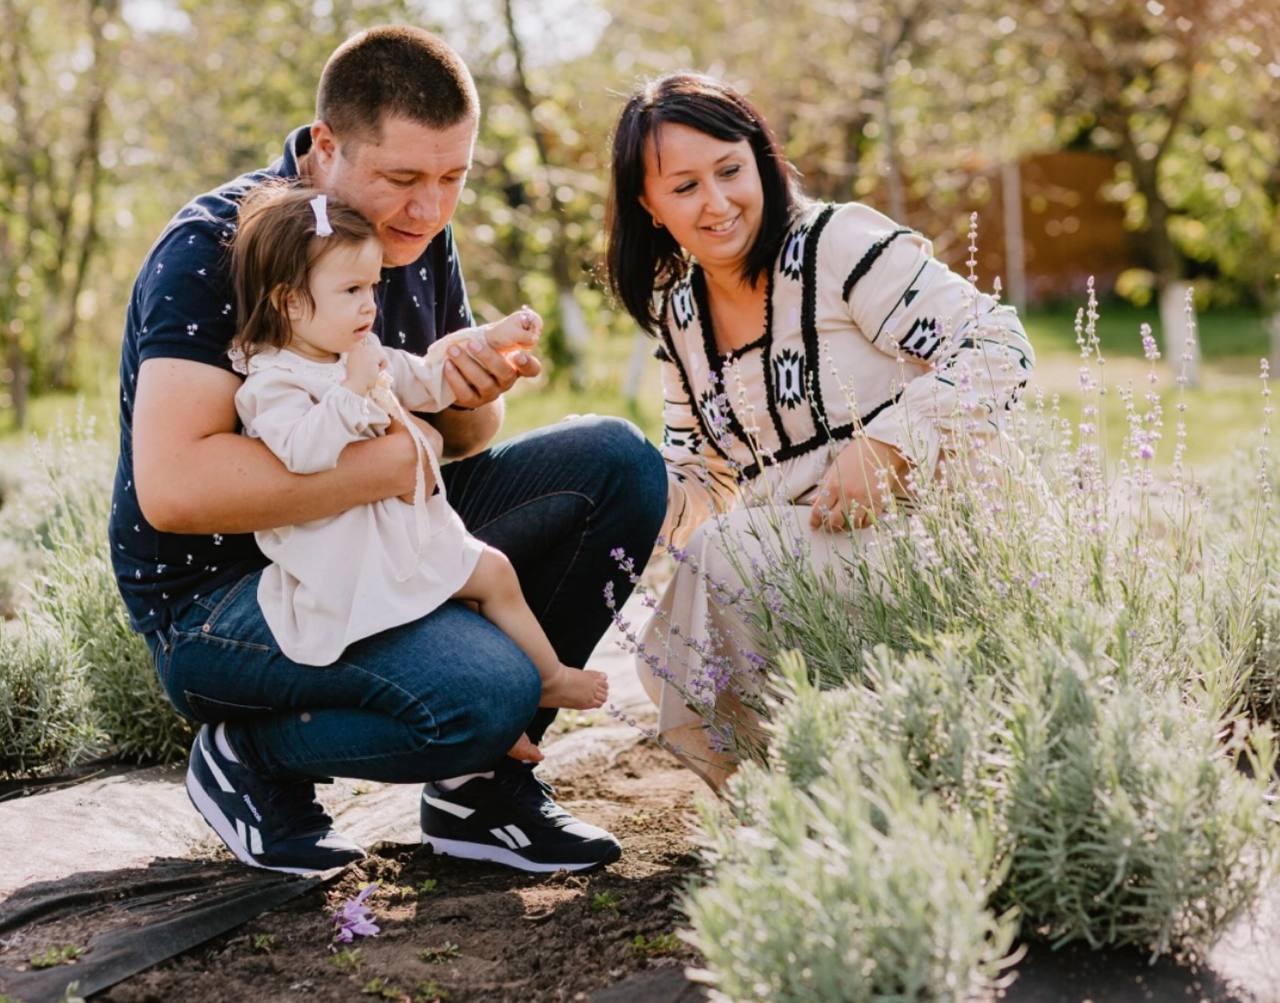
pixel 114 112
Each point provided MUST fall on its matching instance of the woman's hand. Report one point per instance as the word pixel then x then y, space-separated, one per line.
pixel 850 493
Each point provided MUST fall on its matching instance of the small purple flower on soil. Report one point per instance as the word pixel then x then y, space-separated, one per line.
pixel 353 919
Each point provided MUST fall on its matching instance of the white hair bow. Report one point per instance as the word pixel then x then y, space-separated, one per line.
pixel 320 206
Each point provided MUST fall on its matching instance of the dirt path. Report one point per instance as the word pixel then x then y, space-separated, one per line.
pixel 480 932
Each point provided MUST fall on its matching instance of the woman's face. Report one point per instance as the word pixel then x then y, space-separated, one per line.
pixel 705 191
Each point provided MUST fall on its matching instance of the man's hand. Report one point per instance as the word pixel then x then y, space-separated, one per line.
pixel 479 375
pixel 850 493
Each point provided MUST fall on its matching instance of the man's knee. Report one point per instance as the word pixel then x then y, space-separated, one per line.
pixel 620 448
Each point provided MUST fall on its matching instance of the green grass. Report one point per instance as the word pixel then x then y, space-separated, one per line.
pixel 1218 421
pixel 45 412
pixel 1225 334
pixel 532 405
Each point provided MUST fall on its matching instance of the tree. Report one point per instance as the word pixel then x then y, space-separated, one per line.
pixel 1132 72
pixel 1224 170
pixel 57 67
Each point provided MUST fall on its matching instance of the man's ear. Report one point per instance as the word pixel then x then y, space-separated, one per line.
pixel 324 145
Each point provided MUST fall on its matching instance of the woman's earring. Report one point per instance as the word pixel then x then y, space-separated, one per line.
pixel 656 224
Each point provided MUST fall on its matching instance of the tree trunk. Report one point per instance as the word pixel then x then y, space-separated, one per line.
pixel 88 178
pixel 572 322
pixel 1015 255
pixel 641 352
pixel 18 385
pixel 892 172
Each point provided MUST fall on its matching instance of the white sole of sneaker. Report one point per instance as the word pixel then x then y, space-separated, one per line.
pixel 226 830
pixel 498 855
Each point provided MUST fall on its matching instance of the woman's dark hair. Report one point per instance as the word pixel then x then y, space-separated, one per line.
pixel 643 259
pixel 273 252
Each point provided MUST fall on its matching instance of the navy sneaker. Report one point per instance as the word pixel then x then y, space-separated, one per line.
pixel 512 820
pixel 279 826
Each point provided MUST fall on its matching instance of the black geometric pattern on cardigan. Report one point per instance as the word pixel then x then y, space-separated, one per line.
pixel 809 317
pixel 680 438
pixel 788 378
pixel 698 282
pixel 824 436
pixel 767 333
pixel 682 304
pixel 923 339
pixel 949 364
pixel 793 252
pixel 714 406
pixel 766 364
pixel 869 259
pixel 665 333
pixel 660 353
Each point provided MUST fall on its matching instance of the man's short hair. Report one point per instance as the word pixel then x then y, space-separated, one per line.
pixel 394 70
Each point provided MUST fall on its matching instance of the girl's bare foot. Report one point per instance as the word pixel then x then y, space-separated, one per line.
pixel 517 330
pixel 525 751
pixel 581 689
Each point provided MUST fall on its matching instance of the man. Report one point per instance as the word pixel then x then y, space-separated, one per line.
pixel 445 696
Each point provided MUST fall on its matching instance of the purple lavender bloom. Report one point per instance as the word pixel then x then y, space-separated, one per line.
pixel 353 919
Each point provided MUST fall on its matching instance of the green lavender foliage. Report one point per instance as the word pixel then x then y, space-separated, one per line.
pixel 74 629
pixel 1126 816
pixel 46 714
pixel 854 889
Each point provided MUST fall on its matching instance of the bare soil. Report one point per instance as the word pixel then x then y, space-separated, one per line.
pixel 459 931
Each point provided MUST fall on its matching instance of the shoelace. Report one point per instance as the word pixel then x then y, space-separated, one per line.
pixel 531 791
pixel 295 810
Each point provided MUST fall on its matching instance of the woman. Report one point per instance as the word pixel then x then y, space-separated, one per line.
pixel 816 358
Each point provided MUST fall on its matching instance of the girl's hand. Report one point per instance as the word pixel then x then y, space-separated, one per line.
pixel 364 362
pixel 849 493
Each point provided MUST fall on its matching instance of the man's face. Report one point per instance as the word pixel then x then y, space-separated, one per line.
pixel 406 183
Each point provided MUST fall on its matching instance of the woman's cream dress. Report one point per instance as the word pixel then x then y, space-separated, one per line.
pixel 866 333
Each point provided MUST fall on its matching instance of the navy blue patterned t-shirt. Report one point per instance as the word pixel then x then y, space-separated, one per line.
pixel 183 307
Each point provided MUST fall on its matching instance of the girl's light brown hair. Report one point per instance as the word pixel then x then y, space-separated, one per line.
pixel 273 254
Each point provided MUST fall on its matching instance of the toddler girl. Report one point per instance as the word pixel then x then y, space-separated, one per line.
pixel 306 269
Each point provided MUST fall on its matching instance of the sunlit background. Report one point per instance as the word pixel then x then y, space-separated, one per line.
pixel 1133 142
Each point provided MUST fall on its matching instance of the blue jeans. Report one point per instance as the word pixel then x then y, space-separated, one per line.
pixel 450 693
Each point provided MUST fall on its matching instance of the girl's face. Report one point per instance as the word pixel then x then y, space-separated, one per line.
pixel 342 284
pixel 706 192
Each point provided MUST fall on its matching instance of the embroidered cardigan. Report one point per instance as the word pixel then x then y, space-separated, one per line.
pixel 865 332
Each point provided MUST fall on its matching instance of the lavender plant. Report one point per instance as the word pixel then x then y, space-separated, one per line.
pixel 1126 817
pixel 1068 650
pixel 856 888
pixel 60 516
pixel 46 718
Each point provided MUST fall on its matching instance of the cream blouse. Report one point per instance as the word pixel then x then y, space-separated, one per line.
pixel 865 332
pixel 334 581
